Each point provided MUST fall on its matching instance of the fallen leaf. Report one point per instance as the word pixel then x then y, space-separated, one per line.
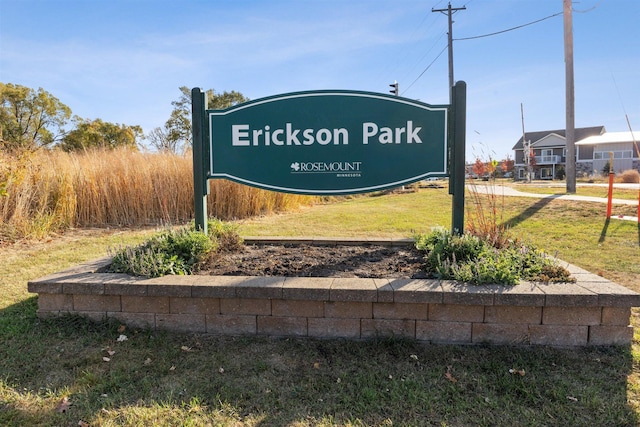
pixel 111 352
pixel 121 329
pixel 122 338
pixel 147 361
pixel 83 423
pixel 106 359
pixel 221 370
pixel 172 368
pixel 185 348
pixel 338 380
pixel 520 372
pixel 572 398
pixel 414 356
pixel 316 365
pixel 448 375
pixel 63 405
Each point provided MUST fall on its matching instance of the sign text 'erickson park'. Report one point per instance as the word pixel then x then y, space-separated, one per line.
pixel 328 142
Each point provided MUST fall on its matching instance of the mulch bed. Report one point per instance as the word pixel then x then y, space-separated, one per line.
pixel 303 260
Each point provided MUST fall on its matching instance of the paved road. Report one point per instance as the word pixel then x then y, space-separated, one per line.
pixel 503 190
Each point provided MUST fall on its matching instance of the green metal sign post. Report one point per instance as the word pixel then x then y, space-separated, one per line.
pixel 324 143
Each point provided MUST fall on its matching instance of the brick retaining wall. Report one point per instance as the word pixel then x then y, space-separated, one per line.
pixel 592 311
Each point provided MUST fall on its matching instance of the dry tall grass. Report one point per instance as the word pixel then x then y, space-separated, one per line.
pixel 48 191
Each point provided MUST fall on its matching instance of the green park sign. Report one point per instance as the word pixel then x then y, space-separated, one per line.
pixel 330 142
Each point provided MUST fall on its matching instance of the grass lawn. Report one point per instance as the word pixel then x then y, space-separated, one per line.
pixel 157 378
pixel 592 191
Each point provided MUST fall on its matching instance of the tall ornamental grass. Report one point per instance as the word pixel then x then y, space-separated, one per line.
pixel 47 191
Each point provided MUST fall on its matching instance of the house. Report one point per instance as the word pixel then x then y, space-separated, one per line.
pixel 549 151
pixel 593 152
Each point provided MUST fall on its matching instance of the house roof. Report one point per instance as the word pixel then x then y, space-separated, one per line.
pixel 610 138
pixel 580 134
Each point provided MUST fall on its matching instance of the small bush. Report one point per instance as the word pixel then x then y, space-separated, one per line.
pixel 468 258
pixel 630 176
pixel 168 252
pixel 177 252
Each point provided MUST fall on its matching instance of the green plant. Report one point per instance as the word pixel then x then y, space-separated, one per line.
pixel 468 258
pixel 168 252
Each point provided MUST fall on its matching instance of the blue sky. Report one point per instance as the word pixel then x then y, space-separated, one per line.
pixel 123 60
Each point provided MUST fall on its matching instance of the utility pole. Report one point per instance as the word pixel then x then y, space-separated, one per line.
pixel 570 99
pixel 449 12
pixel 526 147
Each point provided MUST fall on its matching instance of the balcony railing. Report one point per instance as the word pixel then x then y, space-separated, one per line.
pixel 547 160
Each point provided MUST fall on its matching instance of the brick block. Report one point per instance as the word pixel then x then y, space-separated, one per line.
pixel 522 294
pixel 416 290
pixel 456 313
pixel 83 288
pixel 513 314
pixel 44 287
pixel 351 310
pixel 260 287
pixel 307 288
pixel 53 302
pixel 559 335
pixel 120 288
pixel 353 289
pixel 399 310
pixel 168 290
pixel 282 326
pixel 498 333
pixel 245 306
pixel 96 303
pixel 138 304
pixel 194 305
pixel 443 332
pixel 462 293
pixel 231 324
pixel 616 316
pixel 610 335
pixel 385 290
pixel 297 308
pixel 135 320
pixel 571 315
pixel 568 295
pixel 190 323
pixel 333 328
pixel 373 328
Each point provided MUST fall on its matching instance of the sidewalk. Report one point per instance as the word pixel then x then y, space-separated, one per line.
pixel 504 190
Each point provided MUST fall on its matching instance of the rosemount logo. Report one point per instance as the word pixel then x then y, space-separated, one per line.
pixel 341 169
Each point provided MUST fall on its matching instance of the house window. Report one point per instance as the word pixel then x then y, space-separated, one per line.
pixel 600 155
pixel 521 173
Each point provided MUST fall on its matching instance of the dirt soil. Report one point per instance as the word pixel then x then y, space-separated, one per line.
pixel 296 260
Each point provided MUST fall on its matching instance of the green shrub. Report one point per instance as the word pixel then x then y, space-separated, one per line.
pixel 467 258
pixel 176 251
pixel 169 252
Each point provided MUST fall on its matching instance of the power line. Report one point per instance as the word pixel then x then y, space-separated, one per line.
pixel 425 70
pixel 510 29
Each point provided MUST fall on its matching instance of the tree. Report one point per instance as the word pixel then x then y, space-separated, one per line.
pixel 507 164
pixel 30 119
pixel 479 168
pixel 176 133
pixel 91 134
